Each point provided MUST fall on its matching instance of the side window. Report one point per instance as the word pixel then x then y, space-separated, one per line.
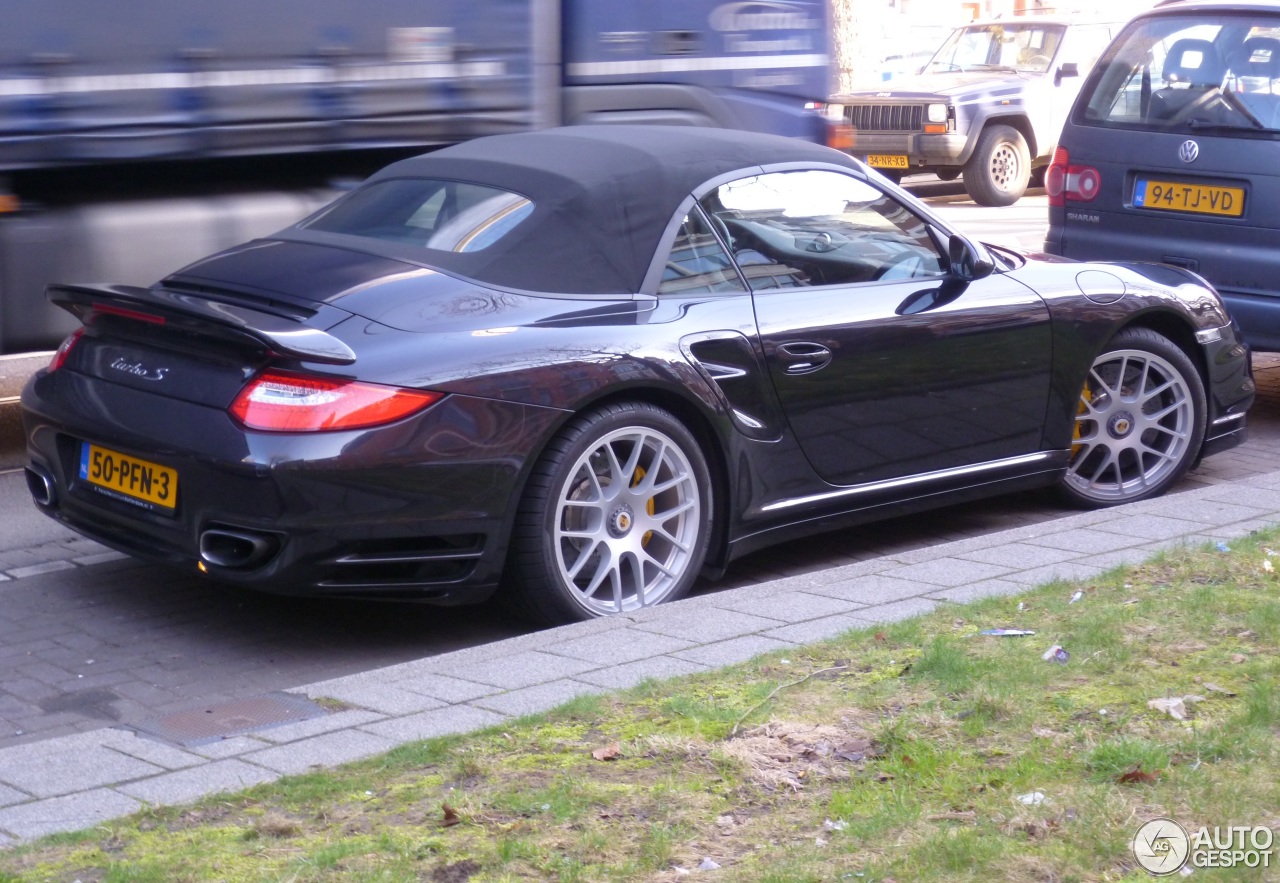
pixel 788 229
pixel 697 261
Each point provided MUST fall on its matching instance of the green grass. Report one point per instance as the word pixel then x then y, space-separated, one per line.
pixel 903 757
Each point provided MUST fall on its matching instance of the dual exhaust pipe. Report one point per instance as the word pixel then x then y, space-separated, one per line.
pixel 221 546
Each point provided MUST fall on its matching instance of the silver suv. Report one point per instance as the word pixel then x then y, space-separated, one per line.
pixel 989 104
pixel 1172 154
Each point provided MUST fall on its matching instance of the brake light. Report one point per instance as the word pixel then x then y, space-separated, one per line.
pixel 64 350
pixel 1067 183
pixel 125 312
pixel 276 401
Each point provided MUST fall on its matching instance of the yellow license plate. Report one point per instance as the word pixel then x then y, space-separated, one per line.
pixel 1177 196
pixel 124 476
pixel 887 161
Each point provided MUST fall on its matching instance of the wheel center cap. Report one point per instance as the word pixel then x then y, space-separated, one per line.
pixel 621 521
pixel 1120 424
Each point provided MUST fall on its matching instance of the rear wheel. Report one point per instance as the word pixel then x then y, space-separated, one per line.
pixel 616 517
pixel 998 172
pixel 1139 424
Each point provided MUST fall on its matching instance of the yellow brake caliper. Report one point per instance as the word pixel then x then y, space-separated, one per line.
pixel 648 504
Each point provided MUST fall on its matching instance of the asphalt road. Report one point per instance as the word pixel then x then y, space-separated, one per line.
pixel 86 643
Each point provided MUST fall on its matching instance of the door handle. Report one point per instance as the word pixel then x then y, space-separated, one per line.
pixel 802 356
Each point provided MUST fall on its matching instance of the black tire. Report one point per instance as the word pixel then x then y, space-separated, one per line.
pixel 1133 442
pixel 948 173
pixel 593 537
pixel 893 175
pixel 998 172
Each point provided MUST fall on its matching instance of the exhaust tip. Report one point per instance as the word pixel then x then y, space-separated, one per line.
pixel 42 487
pixel 236 548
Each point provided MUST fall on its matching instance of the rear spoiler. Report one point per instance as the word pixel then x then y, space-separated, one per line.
pixel 281 334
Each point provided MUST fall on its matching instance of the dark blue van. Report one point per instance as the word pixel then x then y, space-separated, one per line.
pixel 1172 153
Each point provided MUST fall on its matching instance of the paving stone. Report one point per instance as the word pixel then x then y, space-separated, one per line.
pixel 711 625
pixel 1207 511
pixel 877 588
pixel 440 722
pixel 520 670
pixel 815 630
pixel 74 812
pixel 1085 540
pixel 233 747
pixel 617 646
pixel 329 723
pixel 99 558
pixel 621 677
pixel 949 571
pixel 445 688
pixel 324 751
pixel 382 698
pixel 990 588
pixel 1149 527
pixel 184 786
pixel 1065 570
pixel 794 606
pixel 149 750
pixel 1019 556
pixel 532 700
pixel 732 651
pixel 896 611
pixel 72 763
pixel 10 796
pixel 37 569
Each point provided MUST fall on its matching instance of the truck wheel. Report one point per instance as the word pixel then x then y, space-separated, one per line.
pixel 948 173
pixel 998 171
pixel 616 517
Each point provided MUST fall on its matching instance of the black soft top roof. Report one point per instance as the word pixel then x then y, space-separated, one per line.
pixel 602 197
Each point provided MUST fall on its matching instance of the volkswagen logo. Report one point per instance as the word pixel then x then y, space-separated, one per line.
pixel 1189 151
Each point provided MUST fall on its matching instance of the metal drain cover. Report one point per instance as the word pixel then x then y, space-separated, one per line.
pixel 212 723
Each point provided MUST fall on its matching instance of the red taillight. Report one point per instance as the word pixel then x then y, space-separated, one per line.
pixel 64 349
pixel 278 402
pixel 1065 182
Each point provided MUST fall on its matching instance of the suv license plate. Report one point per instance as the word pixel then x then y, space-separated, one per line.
pixel 137 481
pixel 887 161
pixel 1178 196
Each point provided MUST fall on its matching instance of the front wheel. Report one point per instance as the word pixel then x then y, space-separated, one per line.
pixel 616 517
pixel 1139 423
pixel 998 172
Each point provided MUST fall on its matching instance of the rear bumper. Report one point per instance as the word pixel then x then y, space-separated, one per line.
pixel 419 509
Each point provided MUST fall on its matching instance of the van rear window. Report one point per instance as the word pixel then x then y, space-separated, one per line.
pixel 1189 73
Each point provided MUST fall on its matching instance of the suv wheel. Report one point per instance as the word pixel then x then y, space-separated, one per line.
pixel 998 171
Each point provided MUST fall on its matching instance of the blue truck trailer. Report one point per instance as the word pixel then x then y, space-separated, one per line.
pixel 139 135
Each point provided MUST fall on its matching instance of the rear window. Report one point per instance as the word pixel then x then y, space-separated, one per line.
pixel 436 214
pixel 1188 74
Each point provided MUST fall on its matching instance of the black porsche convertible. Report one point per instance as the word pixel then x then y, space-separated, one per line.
pixel 582 366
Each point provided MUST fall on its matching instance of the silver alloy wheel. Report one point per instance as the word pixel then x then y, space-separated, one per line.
pixel 1134 426
pixel 627 521
pixel 1005 167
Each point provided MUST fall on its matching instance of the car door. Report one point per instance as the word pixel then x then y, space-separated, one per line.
pixel 885 365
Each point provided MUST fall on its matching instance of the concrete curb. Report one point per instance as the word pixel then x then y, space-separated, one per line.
pixel 73 782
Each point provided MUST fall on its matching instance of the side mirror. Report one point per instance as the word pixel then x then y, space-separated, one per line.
pixel 1066 69
pixel 969 260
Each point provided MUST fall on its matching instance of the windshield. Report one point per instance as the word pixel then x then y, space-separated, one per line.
pixel 1190 73
pixel 1027 47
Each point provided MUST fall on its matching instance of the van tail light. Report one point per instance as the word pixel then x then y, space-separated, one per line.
pixel 278 401
pixel 64 350
pixel 1067 183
